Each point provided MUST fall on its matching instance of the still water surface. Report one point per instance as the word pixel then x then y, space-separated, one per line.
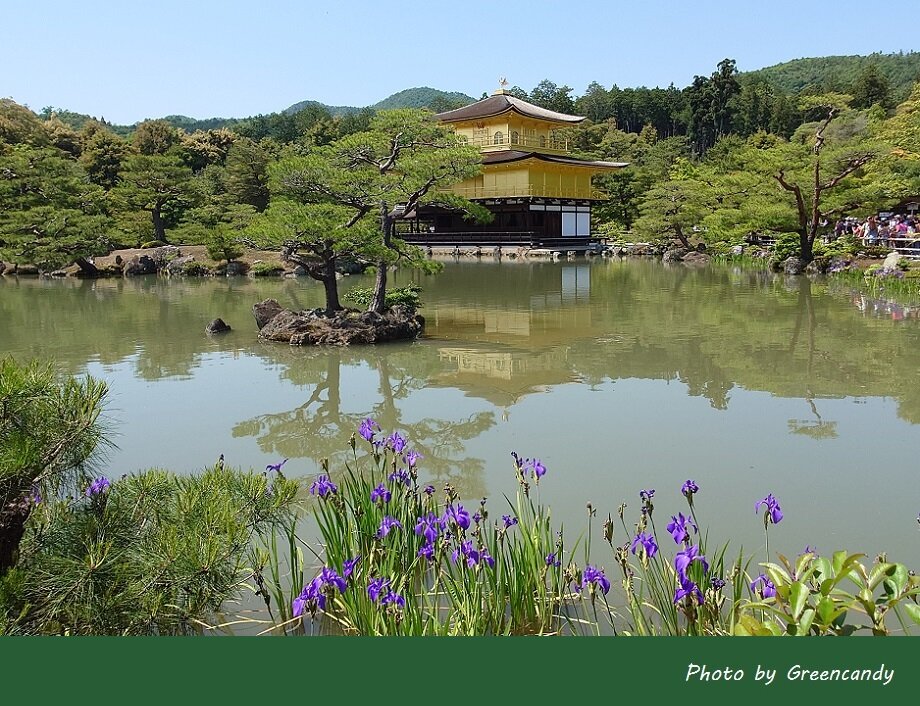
pixel 620 376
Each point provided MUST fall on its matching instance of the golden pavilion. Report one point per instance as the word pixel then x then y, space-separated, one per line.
pixel 539 194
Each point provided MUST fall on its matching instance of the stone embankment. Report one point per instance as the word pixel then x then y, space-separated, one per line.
pixel 178 261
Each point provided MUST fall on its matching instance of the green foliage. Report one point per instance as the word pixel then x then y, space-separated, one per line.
pixel 155 137
pixel 341 200
pixel 839 73
pixel 785 246
pixel 152 244
pixel 224 245
pixel 811 597
pixel 52 215
pixel 19 125
pixel 153 554
pixel 102 154
pixel 265 269
pixel 498 583
pixel 409 296
pixel 844 246
pixel 49 427
pixel 203 148
pixel 247 173
pixel 157 184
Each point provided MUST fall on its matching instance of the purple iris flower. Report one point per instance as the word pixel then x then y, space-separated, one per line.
pixel 323 487
pixel 647 541
pixel 401 476
pixel 772 508
pixel 466 550
pixel 310 597
pixel 646 495
pixel 427 551
pixel 458 515
pixel 377 586
pixel 393 598
pixel 381 494
pixel 386 525
pixel 683 560
pixel 36 495
pixel 768 589
pixel 329 577
pixel 100 485
pixel 679 527
pixel 551 560
pixel 313 595
pixel 689 488
pixel 429 526
pixel 349 566
pixel 688 588
pixel 276 467
pixel 810 550
pixel 532 465
pixel 379 591
pixel 486 558
pixel 537 467
pixel 368 428
pixel 429 490
pixel 396 441
pixel 509 521
pixel 595 576
pixel 717 583
pixel 412 458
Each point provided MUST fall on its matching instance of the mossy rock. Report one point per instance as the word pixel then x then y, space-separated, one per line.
pixel 196 269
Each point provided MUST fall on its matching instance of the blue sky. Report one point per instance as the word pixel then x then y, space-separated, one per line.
pixel 129 61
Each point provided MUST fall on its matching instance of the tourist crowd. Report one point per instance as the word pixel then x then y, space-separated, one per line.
pixel 886 229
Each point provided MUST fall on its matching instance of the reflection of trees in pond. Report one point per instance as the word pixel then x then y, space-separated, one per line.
pixel 713 329
pixel 157 319
pixel 321 428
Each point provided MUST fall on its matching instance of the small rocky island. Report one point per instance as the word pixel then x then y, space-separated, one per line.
pixel 342 328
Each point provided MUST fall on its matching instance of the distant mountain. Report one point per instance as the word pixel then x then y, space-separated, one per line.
pixel 836 73
pixel 839 72
pixel 333 110
pixel 422 97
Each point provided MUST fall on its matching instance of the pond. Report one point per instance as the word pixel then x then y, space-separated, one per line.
pixel 620 376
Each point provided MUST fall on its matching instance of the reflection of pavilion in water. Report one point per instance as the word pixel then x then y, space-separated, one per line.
pixel 520 347
pixel 504 365
pixel 503 376
pixel 553 316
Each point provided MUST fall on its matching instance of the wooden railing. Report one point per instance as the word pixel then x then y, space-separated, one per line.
pixel 907 245
pixel 547 144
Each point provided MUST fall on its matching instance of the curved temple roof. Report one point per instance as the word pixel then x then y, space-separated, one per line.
pixel 499 103
pixel 518 155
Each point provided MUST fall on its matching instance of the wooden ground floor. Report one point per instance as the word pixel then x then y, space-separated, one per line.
pixel 533 222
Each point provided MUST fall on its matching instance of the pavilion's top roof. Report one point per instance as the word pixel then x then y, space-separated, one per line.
pixel 501 102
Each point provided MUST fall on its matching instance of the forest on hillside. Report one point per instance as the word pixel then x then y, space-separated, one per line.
pixel 729 155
